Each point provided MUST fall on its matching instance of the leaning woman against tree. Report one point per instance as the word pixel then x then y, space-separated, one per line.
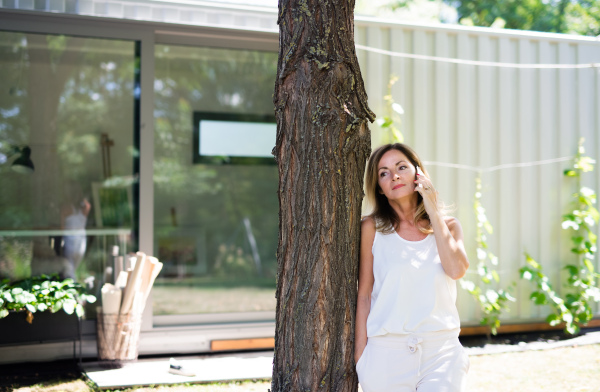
pixel 411 255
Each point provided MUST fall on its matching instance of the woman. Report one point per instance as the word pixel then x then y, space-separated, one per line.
pixel 74 217
pixel 411 255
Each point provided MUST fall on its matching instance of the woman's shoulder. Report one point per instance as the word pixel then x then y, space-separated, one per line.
pixel 368 223
pixel 368 228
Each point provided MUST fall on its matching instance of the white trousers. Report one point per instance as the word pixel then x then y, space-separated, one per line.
pixel 423 362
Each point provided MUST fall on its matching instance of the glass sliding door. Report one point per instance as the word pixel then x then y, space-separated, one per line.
pixel 68 155
pixel 216 208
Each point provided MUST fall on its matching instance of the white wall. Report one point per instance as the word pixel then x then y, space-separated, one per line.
pixel 483 117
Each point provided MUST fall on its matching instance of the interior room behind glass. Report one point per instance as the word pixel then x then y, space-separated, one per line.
pixel 66 105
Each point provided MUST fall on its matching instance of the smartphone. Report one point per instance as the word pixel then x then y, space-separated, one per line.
pixel 419 172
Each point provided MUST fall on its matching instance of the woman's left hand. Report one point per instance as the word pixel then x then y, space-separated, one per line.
pixel 447 231
pixel 424 186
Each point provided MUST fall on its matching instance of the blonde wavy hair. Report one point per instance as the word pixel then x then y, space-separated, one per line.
pixel 386 219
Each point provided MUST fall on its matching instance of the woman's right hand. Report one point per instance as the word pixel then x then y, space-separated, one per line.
pixel 358 353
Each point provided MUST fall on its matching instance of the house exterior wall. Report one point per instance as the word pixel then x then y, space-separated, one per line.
pixel 477 117
pixel 482 117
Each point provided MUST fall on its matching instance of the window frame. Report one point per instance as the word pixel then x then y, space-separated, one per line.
pixel 156 330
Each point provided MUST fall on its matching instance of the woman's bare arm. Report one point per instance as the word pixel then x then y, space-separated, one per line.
pixel 449 239
pixel 447 231
pixel 365 285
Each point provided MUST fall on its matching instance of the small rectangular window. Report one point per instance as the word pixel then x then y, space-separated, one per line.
pixel 228 138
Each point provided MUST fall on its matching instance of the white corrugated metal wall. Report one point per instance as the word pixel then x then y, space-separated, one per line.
pixel 481 117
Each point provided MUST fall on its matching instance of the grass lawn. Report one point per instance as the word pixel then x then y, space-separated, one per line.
pixel 570 369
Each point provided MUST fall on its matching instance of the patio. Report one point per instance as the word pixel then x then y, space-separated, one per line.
pixel 548 361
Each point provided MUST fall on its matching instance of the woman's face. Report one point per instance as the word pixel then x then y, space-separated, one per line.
pixel 396 175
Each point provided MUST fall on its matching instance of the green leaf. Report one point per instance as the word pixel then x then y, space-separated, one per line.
pixel 539 298
pixel 488 227
pixel 567 317
pixel 572 269
pixel 496 276
pixel 585 164
pixel 492 296
pixel 69 306
pixel 532 262
pixel 56 306
pixel 595 214
pixel 570 224
pixel 493 259
pixel 572 329
pixel 571 299
pixel 397 135
pixel 481 254
pixel 385 122
pixel 570 173
pixel 79 310
pixel 553 319
pixel 526 274
pixel 589 265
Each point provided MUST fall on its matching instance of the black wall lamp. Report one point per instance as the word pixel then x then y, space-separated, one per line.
pixel 23 163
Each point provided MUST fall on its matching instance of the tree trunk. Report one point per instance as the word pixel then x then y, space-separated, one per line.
pixel 323 142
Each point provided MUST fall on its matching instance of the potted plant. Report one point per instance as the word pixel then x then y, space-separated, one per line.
pixel 46 296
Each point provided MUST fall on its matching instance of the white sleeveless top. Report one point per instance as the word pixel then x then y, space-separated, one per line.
pixel 411 292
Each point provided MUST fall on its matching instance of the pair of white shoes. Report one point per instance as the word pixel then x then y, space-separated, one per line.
pixel 176 368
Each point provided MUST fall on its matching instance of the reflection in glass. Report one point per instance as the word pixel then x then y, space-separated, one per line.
pixel 23 164
pixel 215 224
pixel 58 94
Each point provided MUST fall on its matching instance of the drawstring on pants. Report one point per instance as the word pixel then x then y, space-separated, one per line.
pixel 412 360
pixel 414 346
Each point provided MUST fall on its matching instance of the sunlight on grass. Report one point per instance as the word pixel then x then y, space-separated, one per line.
pixel 572 369
pixel 61 386
pixel 237 386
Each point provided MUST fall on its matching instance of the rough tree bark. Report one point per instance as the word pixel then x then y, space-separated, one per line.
pixel 323 142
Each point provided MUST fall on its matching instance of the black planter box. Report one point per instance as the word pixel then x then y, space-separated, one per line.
pixel 46 327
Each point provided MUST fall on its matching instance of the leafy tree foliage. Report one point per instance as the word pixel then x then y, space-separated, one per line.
pixel 557 16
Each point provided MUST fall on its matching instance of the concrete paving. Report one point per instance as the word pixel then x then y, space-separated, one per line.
pixel 245 366
pixel 585 339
